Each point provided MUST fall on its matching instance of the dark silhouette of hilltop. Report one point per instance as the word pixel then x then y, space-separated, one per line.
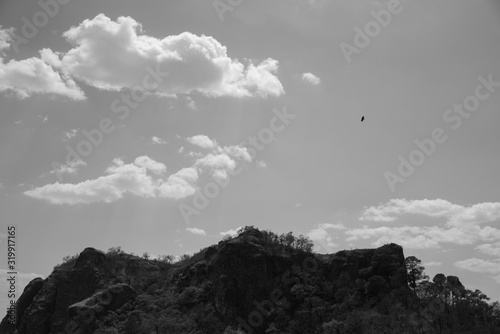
pixel 256 282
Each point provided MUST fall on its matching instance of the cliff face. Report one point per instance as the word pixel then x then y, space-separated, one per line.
pixel 243 282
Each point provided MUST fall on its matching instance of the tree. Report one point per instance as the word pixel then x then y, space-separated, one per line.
pixel 166 258
pixel 115 250
pixel 304 243
pixel 415 272
pixel 185 257
pixel 245 229
pixel 456 287
pixel 145 255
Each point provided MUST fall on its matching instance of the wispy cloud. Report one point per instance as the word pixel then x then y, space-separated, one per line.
pixel 433 264
pixel 71 167
pixel 261 164
pixel 455 214
pixel 158 140
pixel 490 249
pixel 479 266
pixel 70 134
pixel 196 231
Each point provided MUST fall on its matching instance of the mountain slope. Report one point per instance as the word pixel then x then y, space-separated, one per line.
pixel 249 282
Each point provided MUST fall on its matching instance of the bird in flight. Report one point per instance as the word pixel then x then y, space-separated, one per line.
pixel 362 118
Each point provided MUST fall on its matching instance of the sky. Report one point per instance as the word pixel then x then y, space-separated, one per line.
pixel 162 126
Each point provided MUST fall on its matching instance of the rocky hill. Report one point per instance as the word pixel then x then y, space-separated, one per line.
pixel 248 284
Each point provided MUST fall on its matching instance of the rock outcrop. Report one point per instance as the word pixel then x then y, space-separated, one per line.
pixel 222 287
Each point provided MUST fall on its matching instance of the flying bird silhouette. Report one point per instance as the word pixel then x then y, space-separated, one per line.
pixel 362 118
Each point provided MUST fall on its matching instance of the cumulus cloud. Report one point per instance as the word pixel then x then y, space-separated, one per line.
pixel 34 76
pixel 180 185
pixel 196 231
pixel 202 141
pixel 158 140
pixel 311 79
pixel 120 179
pixel 144 177
pixel 112 55
pixel 321 235
pixel 479 266
pixel 150 164
pixel 455 214
pixel 5 38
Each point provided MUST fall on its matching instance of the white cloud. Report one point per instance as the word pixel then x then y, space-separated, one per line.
pixel 148 163
pixel 135 178
pixel 261 164
pixel 34 76
pixel 180 185
pixel 196 231
pixel 70 134
pixel 433 264
pixel 423 237
pixel 202 141
pixel 479 266
pixel 321 235
pixel 157 140
pixel 219 164
pixel 236 151
pixel 298 204
pixel 490 249
pixel 112 55
pixel 311 79
pixel 70 168
pixel 120 179
pixel 455 214
pixel 231 233
pixel 190 103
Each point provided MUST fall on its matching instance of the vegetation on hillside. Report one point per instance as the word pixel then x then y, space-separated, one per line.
pixel 219 290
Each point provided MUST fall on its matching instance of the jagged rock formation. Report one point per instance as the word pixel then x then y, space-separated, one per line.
pixel 243 282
